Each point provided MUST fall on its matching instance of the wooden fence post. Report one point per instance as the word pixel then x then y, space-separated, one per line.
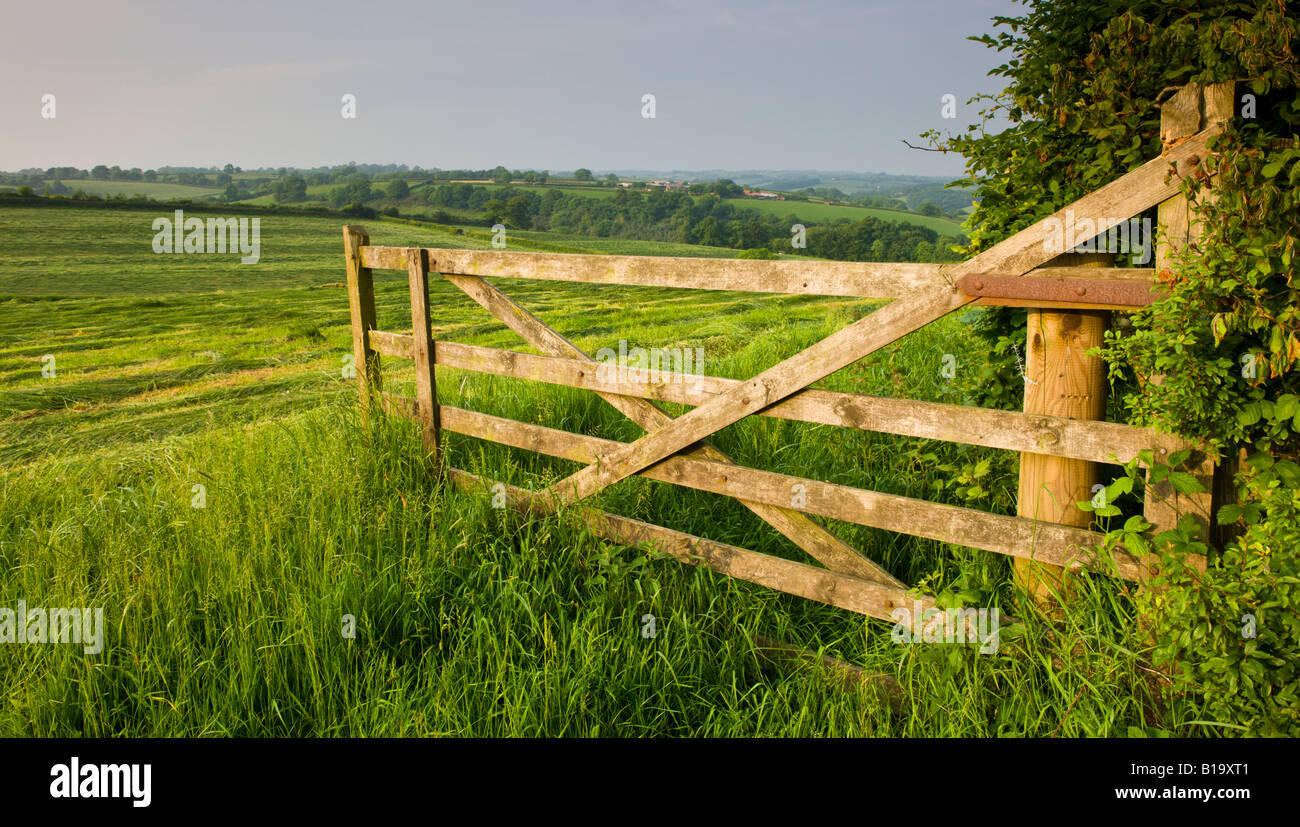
pixel 1061 380
pixel 361 299
pixel 426 395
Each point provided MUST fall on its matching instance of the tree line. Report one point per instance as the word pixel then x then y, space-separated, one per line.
pixel 677 216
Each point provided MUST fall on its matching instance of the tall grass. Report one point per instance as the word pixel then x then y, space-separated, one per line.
pixel 229 619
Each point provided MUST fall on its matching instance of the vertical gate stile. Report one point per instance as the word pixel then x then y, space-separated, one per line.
pixel 361 300
pixel 422 350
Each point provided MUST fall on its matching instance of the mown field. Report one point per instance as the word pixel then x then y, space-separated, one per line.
pixel 227 619
pixel 811 211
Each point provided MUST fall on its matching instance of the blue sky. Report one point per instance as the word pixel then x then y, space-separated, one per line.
pixel 548 85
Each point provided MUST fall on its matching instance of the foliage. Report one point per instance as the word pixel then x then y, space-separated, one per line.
pixel 1085 80
pixel 674 215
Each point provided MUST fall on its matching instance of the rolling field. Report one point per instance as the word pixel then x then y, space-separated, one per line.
pixel 157 190
pixel 225 619
pixel 809 211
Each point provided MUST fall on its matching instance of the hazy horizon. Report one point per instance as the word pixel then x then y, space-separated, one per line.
pixel 827 87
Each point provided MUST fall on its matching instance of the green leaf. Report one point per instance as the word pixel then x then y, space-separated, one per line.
pixel 1186 483
pixel 1228 514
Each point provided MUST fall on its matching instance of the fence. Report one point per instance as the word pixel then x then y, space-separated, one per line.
pixel 1020 271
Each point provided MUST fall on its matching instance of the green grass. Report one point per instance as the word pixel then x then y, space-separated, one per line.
pixel 810 211
pixel 226 619
pixel 150 189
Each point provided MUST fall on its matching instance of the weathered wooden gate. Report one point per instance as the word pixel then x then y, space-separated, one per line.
pixel 673 450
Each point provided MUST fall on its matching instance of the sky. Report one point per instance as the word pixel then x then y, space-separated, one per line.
pixel 547 85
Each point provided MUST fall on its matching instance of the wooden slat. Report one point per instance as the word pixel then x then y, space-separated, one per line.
pixel 391 344
pixel 825 278
pixel 361 302
pixel 832 588
pixel 862 279
pixel 422 352
pixel 1097 441
pixel 833 552
pixel 1014 536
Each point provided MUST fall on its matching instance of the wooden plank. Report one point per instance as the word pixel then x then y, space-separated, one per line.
pixel 361 301
pixel 1097 441
pixel 391 344
pixel 422 351
pixel 1027 539
pixel 833 552
pixel 826 278
pixel 843 591
pixel 861 279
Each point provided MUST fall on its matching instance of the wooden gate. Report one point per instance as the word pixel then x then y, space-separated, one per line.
pixel 673 450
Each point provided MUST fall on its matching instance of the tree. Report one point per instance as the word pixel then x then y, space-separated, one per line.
pixel 501 175
pixel 293 188
pixel 398 188
pixel 517 212
pixel 582 174
pixel 930 209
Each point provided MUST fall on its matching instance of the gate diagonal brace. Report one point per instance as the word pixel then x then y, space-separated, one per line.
pixel 813 538
pixel 1136 190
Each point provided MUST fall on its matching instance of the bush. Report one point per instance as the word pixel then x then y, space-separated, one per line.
pixel 1085 78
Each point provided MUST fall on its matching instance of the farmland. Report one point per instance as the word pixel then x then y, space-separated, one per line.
pixel 224 619
pixel 813 211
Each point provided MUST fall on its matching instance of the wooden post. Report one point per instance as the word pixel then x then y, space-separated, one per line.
pixel 1062 380
pixel 422 350
pixel 1190 110
pixel 361 299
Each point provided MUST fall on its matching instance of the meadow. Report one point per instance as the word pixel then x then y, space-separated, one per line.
pixel 815 211
pixel 226 605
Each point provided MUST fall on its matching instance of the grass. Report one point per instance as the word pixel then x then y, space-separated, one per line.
pixel 228 619
pixel 159 190
pixel 811 211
